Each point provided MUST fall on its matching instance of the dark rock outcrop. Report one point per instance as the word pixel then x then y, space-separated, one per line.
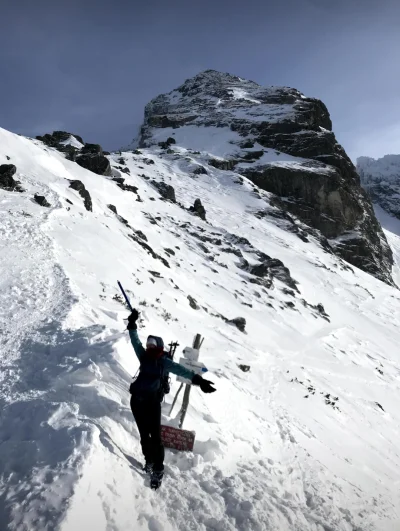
pixel 94 149
pixel 41 200
pixel 223 164
pixel 96 163
pixel 7 181
pixel 239 322
pixel 139 240
pixel 55 139
pixel 272 268
pixel 167 143
pixel 165 190
pixel 193 303
pixel 338 207
pixel 198 209
pixel 308 171
pixel 71 153
pixel 126 187
pixel 80 187
pixel 89 156
pixel 200 170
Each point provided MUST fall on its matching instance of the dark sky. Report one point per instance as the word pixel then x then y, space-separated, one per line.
pixel 90 66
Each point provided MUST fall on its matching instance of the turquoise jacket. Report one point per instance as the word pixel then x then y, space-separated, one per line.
pixel 169 365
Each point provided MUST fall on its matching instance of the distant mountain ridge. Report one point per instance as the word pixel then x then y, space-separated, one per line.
pixel 381 178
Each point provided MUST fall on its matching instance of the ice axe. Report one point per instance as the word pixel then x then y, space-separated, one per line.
pixel 125 296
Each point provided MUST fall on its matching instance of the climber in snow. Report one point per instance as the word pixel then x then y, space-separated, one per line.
pixel 147 392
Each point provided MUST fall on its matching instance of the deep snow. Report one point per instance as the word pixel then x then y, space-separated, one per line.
pixel 306 440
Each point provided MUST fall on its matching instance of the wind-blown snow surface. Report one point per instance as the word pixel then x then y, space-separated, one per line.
pixel 297 443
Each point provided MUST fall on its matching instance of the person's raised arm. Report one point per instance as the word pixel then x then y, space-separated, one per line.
pixel 132 327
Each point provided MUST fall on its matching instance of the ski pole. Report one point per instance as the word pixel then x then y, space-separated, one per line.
pixel 125 295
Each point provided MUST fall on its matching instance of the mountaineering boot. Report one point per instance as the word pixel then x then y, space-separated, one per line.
pixel 148 467
pixel 156 479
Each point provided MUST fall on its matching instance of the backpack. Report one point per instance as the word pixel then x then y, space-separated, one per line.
pixel 166 380
pixel 153 381
pixel 147 385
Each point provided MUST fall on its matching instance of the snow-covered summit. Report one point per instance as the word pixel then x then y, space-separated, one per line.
pixel 381 178
pixel 282 141
pixel 222 100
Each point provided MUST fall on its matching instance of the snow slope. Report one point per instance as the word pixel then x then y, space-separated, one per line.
pixel 306 440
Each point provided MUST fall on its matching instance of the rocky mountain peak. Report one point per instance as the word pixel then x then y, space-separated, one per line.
pixel 283 142
pixel 222 100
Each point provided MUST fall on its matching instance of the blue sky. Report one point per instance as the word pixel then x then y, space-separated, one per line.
pixel 90 66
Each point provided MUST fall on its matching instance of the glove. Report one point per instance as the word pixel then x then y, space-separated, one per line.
pixel 134 316
pixel 205 385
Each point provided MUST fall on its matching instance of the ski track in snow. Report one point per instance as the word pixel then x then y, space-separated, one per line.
pixel 265 457
pixel 34 300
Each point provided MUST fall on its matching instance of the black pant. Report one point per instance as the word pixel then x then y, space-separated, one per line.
pixel 147 415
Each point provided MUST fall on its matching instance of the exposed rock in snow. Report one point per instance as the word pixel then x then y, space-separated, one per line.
pixel 169 142
pixel 41 200
pixel 61 138
pixel 113 209
pixel 200 170
pixel 193 303
pixel 272 268
pixel 239 322
pixel 89 156
pixel 96 163
pixel 94 149
pixel 7 181
pixel 80 187
pixel 198 209
pixel 166 190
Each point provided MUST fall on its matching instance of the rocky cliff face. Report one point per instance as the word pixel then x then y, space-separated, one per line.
pixel 381 179
pixel 282 141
